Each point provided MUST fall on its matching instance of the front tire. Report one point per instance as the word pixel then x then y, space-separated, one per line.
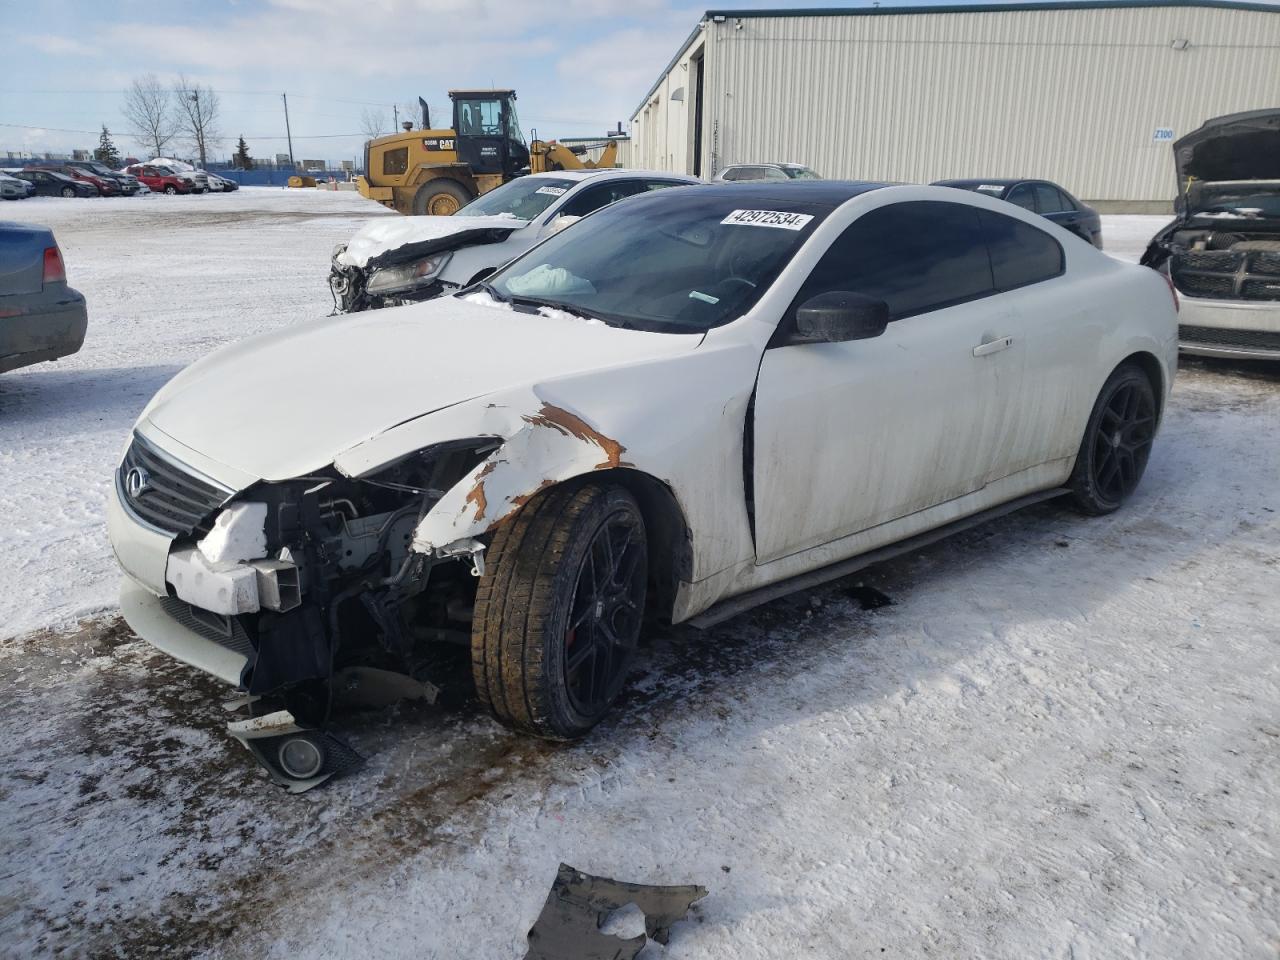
pixel 440 197
pixel 559 610
pixel 170 189
pixel 68 192
pixel 1117 442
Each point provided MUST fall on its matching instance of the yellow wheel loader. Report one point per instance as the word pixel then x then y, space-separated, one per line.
pixel 434 172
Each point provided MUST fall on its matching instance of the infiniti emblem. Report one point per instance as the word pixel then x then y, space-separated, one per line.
pixel 137 481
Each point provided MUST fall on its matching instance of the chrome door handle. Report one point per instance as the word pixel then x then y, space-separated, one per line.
pixel 992 346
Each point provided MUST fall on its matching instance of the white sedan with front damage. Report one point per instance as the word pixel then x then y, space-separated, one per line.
pixel 691 402
pixel 398 260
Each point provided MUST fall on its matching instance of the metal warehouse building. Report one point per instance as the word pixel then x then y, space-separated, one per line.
pixel 1088 94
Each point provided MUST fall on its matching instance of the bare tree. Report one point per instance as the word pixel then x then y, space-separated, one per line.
pixel 198 115
pixel 148 112
pixel 373 122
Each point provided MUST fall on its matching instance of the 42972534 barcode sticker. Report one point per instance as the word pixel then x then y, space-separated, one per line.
pixel 778 219
pixel 553 191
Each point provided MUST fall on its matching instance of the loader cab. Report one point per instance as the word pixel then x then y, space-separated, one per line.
pixel 489 137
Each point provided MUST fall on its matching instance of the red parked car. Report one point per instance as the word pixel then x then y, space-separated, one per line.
pixel 159 178
pixel 105 186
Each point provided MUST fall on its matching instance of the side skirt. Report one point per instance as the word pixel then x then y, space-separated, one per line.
pixel 753 598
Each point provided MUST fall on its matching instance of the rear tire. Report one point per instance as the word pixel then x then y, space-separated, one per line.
pixel 1117 442
pixel 559 610
pixel 68 192
pixel 440 197
pixel 170 189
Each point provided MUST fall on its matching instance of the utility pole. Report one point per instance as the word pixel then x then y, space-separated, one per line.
pixel 199 125
pixel 287 132
pixel 395 118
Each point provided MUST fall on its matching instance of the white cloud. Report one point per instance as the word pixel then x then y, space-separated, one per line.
pixel 578 67
pixel 56 45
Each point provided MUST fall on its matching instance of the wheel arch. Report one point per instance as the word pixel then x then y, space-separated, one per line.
pixel 1149 365
pixel 666 528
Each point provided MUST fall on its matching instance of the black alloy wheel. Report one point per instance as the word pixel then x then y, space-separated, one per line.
pixel 1117 442
pixel 559 609
pixel 605 614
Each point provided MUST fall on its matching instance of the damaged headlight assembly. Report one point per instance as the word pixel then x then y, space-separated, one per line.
pixel 316 577
pixel 406 276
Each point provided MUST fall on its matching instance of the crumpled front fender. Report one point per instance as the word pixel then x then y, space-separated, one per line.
pixel 552 445
pixel 544 443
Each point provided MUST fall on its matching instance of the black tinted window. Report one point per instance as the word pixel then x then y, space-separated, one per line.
pixel 1050 200
pixel 916 256
pixel 1020 254
pixel 1022 196
pixel 593 198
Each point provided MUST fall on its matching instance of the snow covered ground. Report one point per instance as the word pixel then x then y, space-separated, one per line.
pixel 1062 740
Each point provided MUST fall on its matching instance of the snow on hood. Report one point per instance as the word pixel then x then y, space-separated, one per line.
pixel 385 235
pixel 286 403
pixel 1239 146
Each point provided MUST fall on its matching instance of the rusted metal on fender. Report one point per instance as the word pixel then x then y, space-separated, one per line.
pixel 553 444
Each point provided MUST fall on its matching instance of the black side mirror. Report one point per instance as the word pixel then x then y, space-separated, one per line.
pixel 840 315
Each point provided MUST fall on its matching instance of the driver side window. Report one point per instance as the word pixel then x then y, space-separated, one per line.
pixel 593 198
pixel 916 256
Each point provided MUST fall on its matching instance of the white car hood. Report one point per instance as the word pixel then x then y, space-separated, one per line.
pixel 384 236
pixel 284 404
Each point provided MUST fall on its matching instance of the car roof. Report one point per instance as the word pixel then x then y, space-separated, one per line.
pixel 829 193
pixel 769 163
pixel 993 181
pixel 610 172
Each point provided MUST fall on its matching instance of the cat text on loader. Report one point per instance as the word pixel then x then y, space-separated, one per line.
pixel 436 171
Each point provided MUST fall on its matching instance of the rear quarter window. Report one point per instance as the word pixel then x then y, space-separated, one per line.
pixel 1020 254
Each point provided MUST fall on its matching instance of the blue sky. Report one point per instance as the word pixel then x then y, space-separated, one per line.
pixel 579 66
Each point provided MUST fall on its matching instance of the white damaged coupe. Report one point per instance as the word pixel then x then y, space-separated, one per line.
pixel 693 401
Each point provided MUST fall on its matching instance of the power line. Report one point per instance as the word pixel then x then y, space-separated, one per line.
pixel 247 136
pixel 251 93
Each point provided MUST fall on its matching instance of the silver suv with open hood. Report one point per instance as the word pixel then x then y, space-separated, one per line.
pixel 1222 251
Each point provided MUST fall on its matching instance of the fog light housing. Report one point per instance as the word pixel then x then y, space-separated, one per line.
pixel 300 757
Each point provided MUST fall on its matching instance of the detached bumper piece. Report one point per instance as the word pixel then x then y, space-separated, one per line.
pixel 568 928
pixel 297 758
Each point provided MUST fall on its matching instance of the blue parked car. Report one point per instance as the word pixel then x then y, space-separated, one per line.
pixel 41 318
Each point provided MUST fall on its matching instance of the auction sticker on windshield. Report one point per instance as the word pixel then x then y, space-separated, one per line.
pixel 552 191
pixel 768 218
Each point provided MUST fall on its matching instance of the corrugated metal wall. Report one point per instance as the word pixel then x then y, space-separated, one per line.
pixel 662 130
pixel 1071 95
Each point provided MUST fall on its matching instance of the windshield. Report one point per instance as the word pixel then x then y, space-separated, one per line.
pixel 525 197
pixel 675 261
pixel 800 173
